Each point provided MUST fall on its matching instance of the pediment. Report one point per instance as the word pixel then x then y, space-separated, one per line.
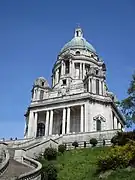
pixel 99 117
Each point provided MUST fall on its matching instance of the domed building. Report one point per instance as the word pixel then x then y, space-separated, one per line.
pixel 77 105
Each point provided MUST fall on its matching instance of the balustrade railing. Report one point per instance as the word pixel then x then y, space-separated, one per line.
pixel 35 174
pixel 5 162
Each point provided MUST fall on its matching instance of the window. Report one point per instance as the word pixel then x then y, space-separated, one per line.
pixel 67 67
pixel 43 83
pixel 92 55
pixel 77 70
pixel 77 52
pixel 96 72
pixel 98 125
pixel 59 72
pixel 97 86
pixel 64 82
pixel 87 67
pixel 77 33
pixel 41 94
pixel 40 129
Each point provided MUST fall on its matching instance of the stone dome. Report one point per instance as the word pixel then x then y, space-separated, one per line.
pixel 42 82
pixel 78 42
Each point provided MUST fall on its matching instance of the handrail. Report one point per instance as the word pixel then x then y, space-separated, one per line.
pixel 5 163
pixel 31 174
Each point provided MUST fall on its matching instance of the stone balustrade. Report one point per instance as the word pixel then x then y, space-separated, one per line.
pixel 5 159
pixel 35 174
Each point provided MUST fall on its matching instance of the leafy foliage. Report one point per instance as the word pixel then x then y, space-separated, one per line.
pixel 49 171
pixel 128 105
pixel 50 153
pixel 123 137
pixel 62 148
pixel 118 157
pixel 93 141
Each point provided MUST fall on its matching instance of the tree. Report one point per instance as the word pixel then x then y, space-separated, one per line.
pixel 128 105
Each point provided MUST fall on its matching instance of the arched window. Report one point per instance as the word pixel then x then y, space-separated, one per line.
pixel 98 125
pixel 40 129
pixel 41 94
pixel 77 52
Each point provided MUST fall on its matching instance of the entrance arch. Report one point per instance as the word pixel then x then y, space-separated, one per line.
pixel 40 129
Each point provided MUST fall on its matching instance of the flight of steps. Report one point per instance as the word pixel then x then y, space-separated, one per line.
pixel 14 169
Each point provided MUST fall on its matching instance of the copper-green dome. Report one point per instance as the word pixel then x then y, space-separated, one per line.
pixel 78 42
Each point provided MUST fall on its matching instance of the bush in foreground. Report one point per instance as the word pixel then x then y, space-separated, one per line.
pixel 75 144
pixel 50 153
pixel 62 148
pixel 49 171
pixel 118 157
pixel 93 142
pixel 123 138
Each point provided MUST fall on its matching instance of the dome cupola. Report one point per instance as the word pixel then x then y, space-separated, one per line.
pixel 78 42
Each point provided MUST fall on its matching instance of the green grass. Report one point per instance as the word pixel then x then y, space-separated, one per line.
pixel 81 165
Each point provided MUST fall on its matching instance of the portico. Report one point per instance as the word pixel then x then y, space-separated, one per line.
pixel 57 121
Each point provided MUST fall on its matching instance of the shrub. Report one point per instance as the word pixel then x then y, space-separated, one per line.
pixel 75 144
pixel 93 141
pixel 104 142
pixel 61 148
pixel 49 171
pixel 50 153
pixel 114 140
pixel 123 138
pixel 85 143
pixel 118 157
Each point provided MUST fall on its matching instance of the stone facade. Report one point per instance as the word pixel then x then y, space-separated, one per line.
pixel 78 101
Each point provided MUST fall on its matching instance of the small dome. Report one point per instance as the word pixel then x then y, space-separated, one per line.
pixel 42 82
pixel 78 42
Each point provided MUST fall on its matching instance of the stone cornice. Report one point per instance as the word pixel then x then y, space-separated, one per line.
pixel 69 98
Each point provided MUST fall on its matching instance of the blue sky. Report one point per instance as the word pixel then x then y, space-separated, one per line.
pixel 33 32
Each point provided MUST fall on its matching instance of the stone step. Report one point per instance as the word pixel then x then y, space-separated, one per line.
pixel 14 170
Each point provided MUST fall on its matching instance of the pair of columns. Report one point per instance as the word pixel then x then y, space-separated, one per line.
pixel 117 124
pixel 68 120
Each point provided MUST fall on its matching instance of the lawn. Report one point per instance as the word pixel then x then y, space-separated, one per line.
pixel 81 165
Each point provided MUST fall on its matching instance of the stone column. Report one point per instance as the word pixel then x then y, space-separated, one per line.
pixel 47 123
pixel 38 94
pixel 86 117
pixel 73 69
pixel 63 67
pixel 82 119
pixel 51 122
pixel 57 76
pixel 83 73
pixel 35 124
pixel 68 120
pixel 104 90
pixel 30 124
pixel 115 123
pixel 119 125
pixel 89 84
pixel 64 121
pixel 93 86
pixel 70 67
pixel 80 70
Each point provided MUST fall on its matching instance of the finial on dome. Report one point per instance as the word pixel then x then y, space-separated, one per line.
pixel 78 31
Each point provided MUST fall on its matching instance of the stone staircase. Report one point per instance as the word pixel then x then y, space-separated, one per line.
pixel 14 170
